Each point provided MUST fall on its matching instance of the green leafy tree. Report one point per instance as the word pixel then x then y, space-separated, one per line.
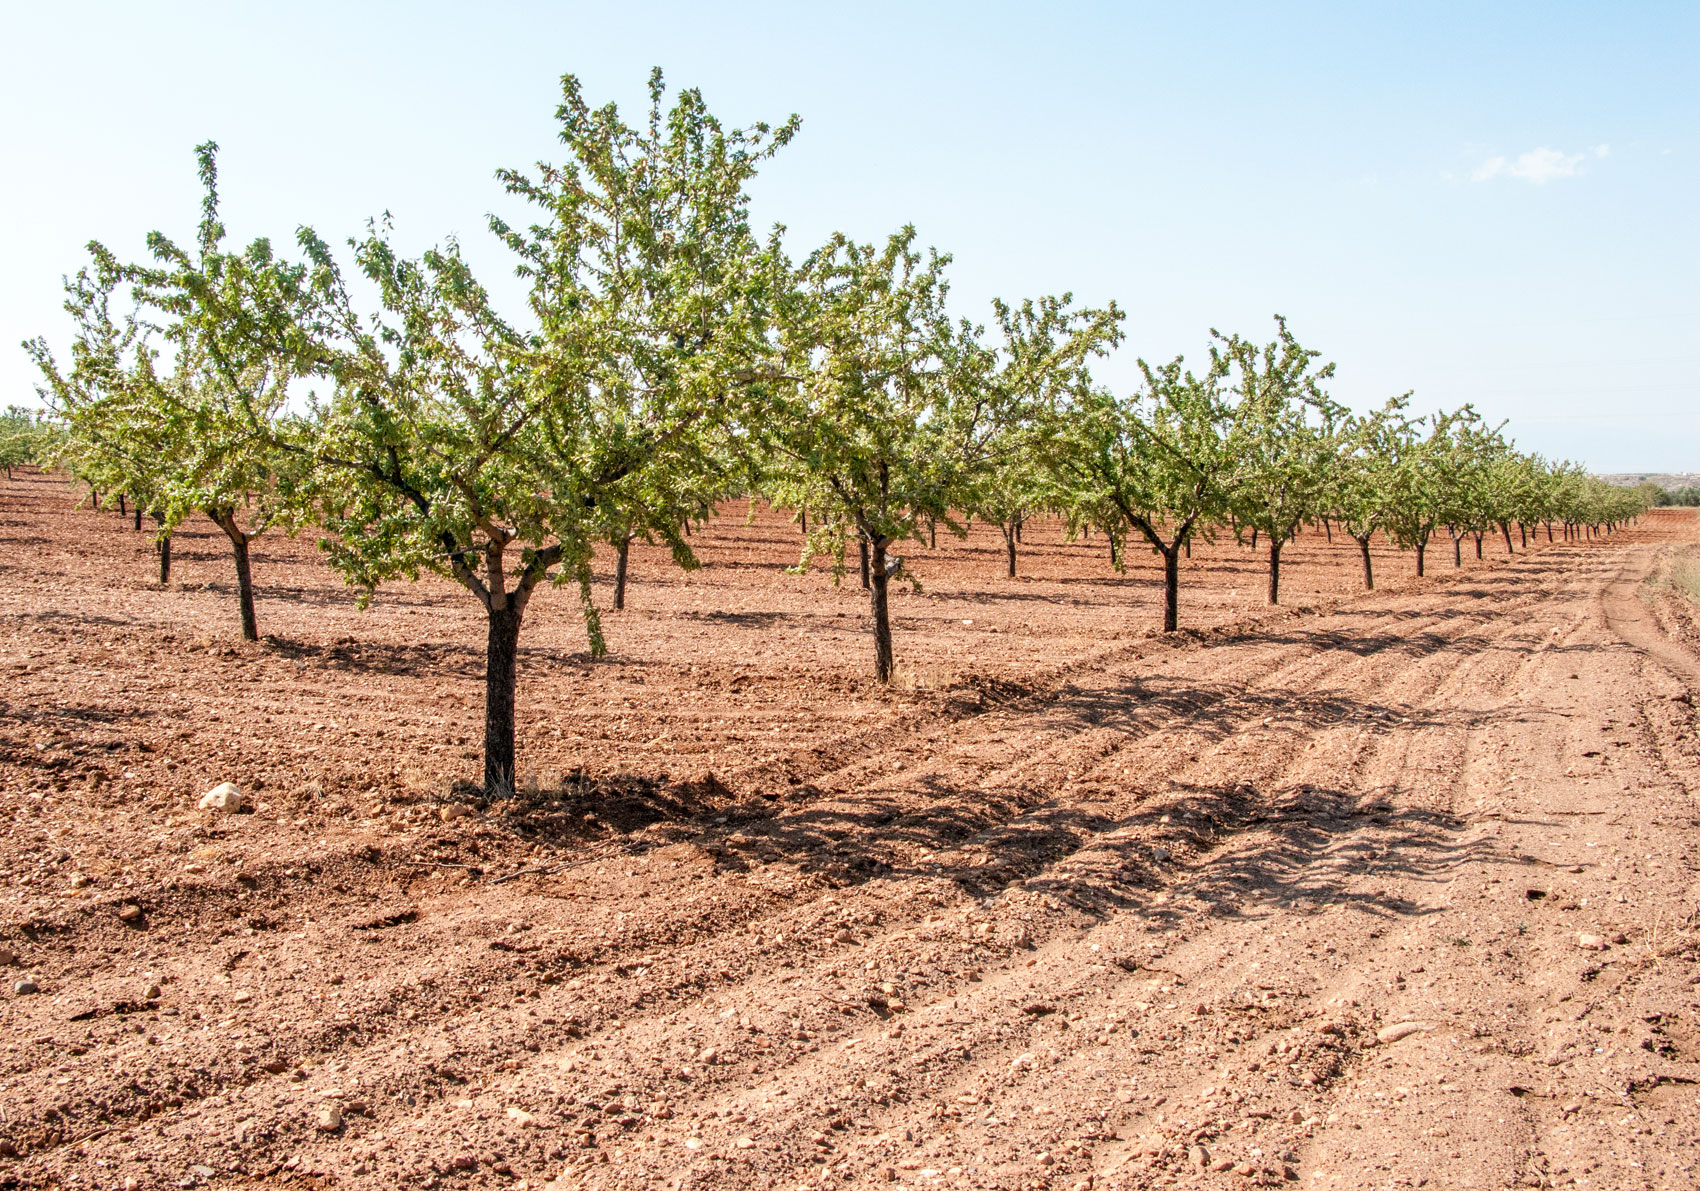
pixel 1363 478
pixel 456 442
pixel 1161 462
pixel 1284 439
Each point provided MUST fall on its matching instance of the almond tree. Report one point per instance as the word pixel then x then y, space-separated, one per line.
pixel 1024 385
pixel 199 436
pixel 1363 475
pixel 459 443
pixel 1284 438
pixel 870 436
pixel 1162 461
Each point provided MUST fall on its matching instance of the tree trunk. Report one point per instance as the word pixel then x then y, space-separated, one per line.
pixel 1421 546
pixel 1171 588
pixel 226 520
pixel 1369 575
pixel 1011 535
pixel 501 664
pixel 1329 530
pixel 882 615
pixel 803 521
pixel 1457 551
pixel 1523 532
pixel 1112 538
pixel 121 509
pixel 1505 528
pixel 1275 545
pixel 1254 537
pixel 620 573
pixel 138 518
pixel 932 533
pixel 1478 546
pixel 862 542
pixel 1549 533
pixel 1018 529
pixel 1188 544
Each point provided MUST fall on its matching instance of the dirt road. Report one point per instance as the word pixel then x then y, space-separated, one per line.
pixel 1399 894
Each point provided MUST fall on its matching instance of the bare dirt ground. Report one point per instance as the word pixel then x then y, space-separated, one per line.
pixel 1385 889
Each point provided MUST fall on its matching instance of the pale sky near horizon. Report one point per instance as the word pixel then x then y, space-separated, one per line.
pixel 1493 203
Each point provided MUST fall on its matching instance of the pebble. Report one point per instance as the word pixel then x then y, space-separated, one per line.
pixel 330 1119
pixel 1590 942
pixel 1398 1030
pixel 25 987
pixel 222 797
pixel 79 880
pixel 521 1118
pixel 129 912
pixel 453 811
pixel 8 957
pixel 745 1143
pixel 1200 1156
pixel 151 993
pixel 1159 853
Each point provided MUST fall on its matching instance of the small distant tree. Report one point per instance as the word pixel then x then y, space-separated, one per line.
pixel 1023 386
pixel 1162 461
pixel 1284 438
pixel 1363 475
pixel 202 436
pixel 29 437
pixel 870 437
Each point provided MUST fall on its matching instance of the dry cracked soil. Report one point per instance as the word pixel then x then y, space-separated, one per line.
pixel 1384 889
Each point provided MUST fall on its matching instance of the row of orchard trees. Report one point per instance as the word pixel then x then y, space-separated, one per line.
pixel 668 357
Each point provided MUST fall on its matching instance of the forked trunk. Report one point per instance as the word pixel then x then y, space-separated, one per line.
pixel 501 665
pixel 1275 544
pixel 1171 588
pixel 1369 575
pixel 226 520
pixel 882 614
pixel 620 573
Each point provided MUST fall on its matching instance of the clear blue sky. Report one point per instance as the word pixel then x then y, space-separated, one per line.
pixel 1497 203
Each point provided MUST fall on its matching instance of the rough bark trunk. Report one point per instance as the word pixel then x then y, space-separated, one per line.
pixel 862 542
pixel 226 520
pixel 501 665
pixel 1274 569
pixel 1171 588
pixel 1369 575
pixel 1011 535
pixel 1421 547
pixel 882 615
pixel 620 573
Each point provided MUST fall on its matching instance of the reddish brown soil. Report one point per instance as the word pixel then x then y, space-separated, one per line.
pixel 1076 906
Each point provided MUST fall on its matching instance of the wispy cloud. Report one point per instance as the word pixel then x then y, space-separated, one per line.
pixel 1538 166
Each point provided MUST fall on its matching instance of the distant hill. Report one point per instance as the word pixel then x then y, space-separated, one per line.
pixel 1664 479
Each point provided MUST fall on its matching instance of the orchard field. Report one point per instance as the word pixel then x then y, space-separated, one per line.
pixel 1369 888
